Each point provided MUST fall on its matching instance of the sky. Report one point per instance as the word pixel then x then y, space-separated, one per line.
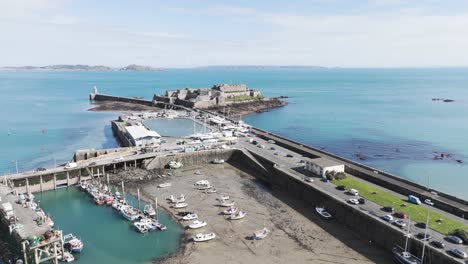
pixel 190 33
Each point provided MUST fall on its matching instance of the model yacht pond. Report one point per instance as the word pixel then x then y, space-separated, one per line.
pixel 107 236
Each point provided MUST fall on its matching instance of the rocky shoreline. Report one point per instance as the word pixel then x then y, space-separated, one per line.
pixel 233 110
pixel 245 108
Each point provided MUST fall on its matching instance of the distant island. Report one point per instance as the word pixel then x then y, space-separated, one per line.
pixel 264 67
pixel 80 67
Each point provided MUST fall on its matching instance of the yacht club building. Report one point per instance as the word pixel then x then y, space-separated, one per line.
pixel 141 136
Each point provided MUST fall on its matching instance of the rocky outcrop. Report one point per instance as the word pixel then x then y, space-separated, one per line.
pixel 244 108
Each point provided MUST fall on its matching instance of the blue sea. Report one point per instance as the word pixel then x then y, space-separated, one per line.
pixel 385 116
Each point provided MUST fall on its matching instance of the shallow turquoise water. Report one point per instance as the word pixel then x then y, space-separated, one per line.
pixel 385 114
pixel 107 237
pixel 177 127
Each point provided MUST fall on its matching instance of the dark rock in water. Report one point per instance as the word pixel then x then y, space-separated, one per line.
pixel 448 100
pixel 361 156
pixel 459 161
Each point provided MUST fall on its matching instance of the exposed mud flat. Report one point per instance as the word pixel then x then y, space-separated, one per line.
pixel 298 234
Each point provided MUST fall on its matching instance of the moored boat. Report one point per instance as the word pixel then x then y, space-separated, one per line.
pixel 218 161
pixel 197 224
pixel 262 233
pixel 321 211
pixel 180 205
pixel 73 243
pixel 149 210
pixel 189 217
pixel 404 257
pixel 175 164
pixel 225 203
pixel 200 237
pixel 165 185
pixel 231 210
pixel 238 215
pixel 141 227
pixel 129 213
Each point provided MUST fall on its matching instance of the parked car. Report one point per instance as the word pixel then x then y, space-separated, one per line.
pixel 458 253
pixel 353 192
pixel 423 237
pixel 454 239
pixel 388 209
pixel 93 163
pixel 353 201
pixel 272 148
pixel 271 141
pixel 400 223
pixel 413 199
pixel 421 225
pixel 437 244
pixel 289 155
pixel 400 215
pixel 308 179
pixel 41 169
pixel 261 146
pixel 341 187
pixel 362 200
pixel 429 202
pixel 387 218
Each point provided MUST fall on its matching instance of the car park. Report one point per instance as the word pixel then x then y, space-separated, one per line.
pixel 400 215
pixel 400 223
pixel 362 200
pixel 458 253
pixel 454 239
pixel 353 201
pixel 353 192
pixel 437 244
pixel 341 187
pixel 387 218
pixel 388 209
pixel 423 236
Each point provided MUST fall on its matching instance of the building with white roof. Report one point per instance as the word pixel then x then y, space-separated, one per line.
pixel 141 136
pixel 321 166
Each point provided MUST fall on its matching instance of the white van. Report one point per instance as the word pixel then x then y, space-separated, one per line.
pixel 353 192
pixel 71 165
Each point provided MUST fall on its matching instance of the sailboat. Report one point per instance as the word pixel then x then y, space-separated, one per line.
pixel 156 221
pixel 261 234
pixel 403 256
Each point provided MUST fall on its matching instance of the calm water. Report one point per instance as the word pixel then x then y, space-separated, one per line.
pixel 108 238
pixel 386 115
pixel 178 127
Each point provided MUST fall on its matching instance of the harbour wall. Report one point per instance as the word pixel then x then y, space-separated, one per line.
pixel 443 201
pixel 363 222
pixel 94 153
pixel 105 97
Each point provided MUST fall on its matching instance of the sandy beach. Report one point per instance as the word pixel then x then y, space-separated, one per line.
pixel 298 234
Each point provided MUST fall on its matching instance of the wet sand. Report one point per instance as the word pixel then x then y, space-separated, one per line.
pixel 295 238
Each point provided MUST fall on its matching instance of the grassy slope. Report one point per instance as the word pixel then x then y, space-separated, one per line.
pixel 416 212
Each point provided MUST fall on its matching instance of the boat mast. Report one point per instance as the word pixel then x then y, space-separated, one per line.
pixel 407 235
pixel 425 234
pixel 138 192
pixel 123 191
pixel 156 204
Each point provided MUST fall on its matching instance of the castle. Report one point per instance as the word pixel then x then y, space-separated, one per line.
pixel 218 95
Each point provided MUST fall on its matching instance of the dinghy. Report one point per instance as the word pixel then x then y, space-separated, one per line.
pixel 261 234
pixel 200 237
pixel 197 224
pixel 238 215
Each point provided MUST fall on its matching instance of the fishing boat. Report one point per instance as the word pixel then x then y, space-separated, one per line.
pixel 321 211
pixel 226 203
pixel 231 210
pixel 189 217
pixel 117 195
pixel 180 205
pixel 197 224
pixel 179 199
pixel 108 199
pixel 200 237
pixel 141 227
pixel 159 225
pixel 261 234
pixel 165 185
pixel 201 182
pixel 238 215
pixel 99 200
pixel 73 243
pixel 175 164
pixel 130 213
pixel 149 210
pixel 66 257
pixel 218 161
pixel 117 205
